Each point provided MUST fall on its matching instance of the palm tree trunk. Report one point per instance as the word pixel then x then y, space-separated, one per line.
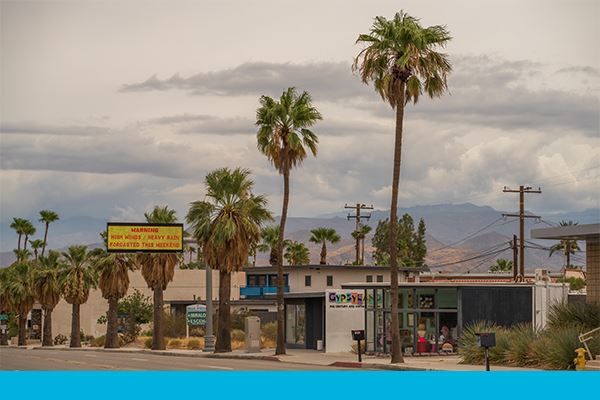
pixel 19 243
pixel 223 343
pixel 45 238
pixel 158 339
pixel 25 242
pixel 22 329
pixel 323 254
pixel 357 246
pixel 280 349
pixel 47 333
pixel 75 327
pixel 112 338
pixel 396 345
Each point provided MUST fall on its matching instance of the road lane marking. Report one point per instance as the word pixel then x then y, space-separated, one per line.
pixel 90 355
pixel 216 367
pixel 140 359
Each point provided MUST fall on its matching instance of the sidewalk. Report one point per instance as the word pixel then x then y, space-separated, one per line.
pixel 313 357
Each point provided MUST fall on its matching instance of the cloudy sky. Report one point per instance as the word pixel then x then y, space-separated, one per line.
pixel 110 107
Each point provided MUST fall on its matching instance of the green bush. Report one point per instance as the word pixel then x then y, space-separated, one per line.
pixel 60 339
pixel 556 348
pixel 147 333
pixel 585 315
pixel 468 349
pixel 193 344
pixel 269 331
pixel 238 335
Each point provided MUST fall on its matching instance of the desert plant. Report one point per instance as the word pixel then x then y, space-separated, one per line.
pixel 174 343
pixel 555 349
pixel 98 342
pixel 522 337
pixel 174 325
pixel 60 339
pixel 269 331
pixel 584 315
pixel 238 335
pixel 468 349
pixel 148 343
pixel 193 344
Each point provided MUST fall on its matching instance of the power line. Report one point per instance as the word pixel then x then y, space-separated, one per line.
pixel 467 237
pixel 485 253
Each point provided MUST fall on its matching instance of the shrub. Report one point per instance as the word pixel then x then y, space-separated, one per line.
pixel 355 348
pixel 148 343
pixel 238 335
pixel 193 344
pixel 174 343
pixel 98 342
pixel 148 333
pixel 468 349
pixel 174 325
pixel 555 349
pixel 585 315
pixel 522 337
pixel 60 339
pixel 269 331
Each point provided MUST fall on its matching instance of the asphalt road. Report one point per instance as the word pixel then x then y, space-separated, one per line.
pixel 13 359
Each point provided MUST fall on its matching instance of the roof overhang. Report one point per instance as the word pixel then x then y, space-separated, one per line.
pixel 573 232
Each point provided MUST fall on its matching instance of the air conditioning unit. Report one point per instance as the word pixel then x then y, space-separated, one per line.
pixel 542 275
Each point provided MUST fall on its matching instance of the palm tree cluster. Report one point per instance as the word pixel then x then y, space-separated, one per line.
pixel 399 58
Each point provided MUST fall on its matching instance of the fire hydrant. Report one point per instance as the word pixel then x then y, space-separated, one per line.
pixel 579 361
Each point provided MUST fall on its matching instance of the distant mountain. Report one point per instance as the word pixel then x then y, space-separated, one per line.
pixel 454 232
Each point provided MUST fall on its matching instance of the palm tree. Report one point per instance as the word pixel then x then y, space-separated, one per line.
pixel 21 294
pixel 158 270
pixel 227 224
pixel 78 277
pixel 18 225
pixel 22 255
pixel 400 59
pixel 113 281
pixel 284 136
pixel 48 288
pixel 360 235
pixel 28 230
pixel 4 302
pixel 270 238
pixel 323 235
pixel 296 253
pixel 47 217
pixel 35 245
pixel 566 246
pixel 502 265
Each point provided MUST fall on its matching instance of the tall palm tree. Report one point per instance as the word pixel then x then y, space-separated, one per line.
pixel 48 288
pixel 158 270
pixel 77 277
pixel 22 255
pixel 296 253
pixel 21 294
pixel 113 281
pixel 227 224
pixel 18 225
pixel 28 230
pixel 566 246
pixel 36 245
pixel 502 265
pixel 284 136
pixel 401 60
pixel 360 235
pixel 323 235
pixel 47 217
pixel 269 239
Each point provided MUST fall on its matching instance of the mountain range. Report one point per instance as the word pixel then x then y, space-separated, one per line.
pixel 455 232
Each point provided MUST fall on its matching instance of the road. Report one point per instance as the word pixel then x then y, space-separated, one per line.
pixel 12 359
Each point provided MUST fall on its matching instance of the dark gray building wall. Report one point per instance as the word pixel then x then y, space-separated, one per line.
pixel 505 306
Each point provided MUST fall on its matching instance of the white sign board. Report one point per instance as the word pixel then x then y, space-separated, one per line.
pixel 344 311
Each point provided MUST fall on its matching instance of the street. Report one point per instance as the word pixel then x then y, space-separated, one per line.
pixel 13 359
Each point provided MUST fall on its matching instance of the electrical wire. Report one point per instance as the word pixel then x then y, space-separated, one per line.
pixel 467 237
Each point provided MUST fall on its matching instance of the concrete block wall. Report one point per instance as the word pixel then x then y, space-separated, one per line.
pixel 593 271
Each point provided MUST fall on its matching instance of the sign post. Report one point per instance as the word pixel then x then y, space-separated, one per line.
pixel 195 315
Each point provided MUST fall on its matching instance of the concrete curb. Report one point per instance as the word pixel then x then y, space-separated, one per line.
pixel 390 367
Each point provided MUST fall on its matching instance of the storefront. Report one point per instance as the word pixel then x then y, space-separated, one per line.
pixel 432 316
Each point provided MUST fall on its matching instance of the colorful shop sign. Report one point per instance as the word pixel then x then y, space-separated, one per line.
pixel 144 238
pixel 345 299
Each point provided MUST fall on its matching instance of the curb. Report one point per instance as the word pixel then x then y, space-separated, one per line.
pixel 391 367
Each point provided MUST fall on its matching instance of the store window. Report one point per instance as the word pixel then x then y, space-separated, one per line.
pixel 369 278
pixel 447 298
pixel 294 323
pixel 370 298
pixel 251 280
pixel 426 298
pixel 307 280
pixel 329 280
pixel 379 278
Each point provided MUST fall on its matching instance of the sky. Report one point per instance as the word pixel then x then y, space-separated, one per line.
pixel 110 107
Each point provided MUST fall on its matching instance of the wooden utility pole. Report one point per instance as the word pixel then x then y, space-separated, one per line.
pixel 521 215
pixel 515 259
pixel 358 217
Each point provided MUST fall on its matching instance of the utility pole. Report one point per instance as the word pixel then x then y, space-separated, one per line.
pixel 521 215
pixel 358 217
pixel 515 259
